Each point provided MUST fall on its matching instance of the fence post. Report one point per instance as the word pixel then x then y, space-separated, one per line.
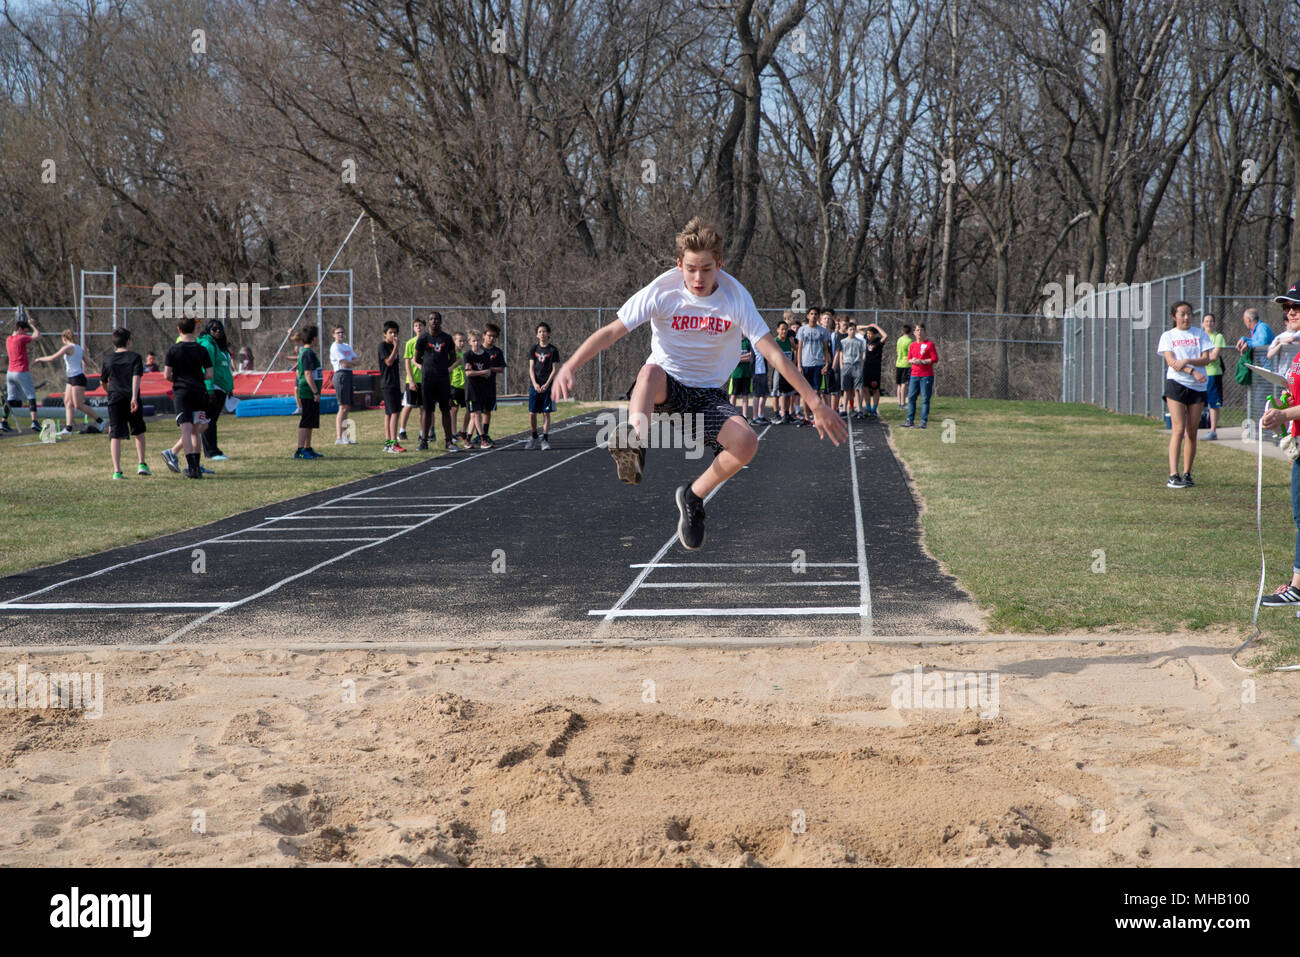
pixel 600 365
pixel 968 355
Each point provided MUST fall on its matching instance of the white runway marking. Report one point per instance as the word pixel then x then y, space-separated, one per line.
pixel 743 565
pixel 715 612
pixel 864 580
pixel 107 606
pixel 277 541
pixel 613 613
pixel 850 584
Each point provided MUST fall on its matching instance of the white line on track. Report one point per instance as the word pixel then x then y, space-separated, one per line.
pixel 844 584
pixel 613 613
pixel 715 612
pixel 743 565
pixel 277 541
pixel 864 580
pixel 108 606
pixel 580 421
pixel 352 551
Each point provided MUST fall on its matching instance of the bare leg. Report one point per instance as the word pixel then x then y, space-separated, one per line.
pixel 739 443
pixel 651 389
pixel 1193 423
pixel 115 449
pixel 1177 426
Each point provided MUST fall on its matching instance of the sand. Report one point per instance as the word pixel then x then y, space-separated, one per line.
pixel 1115 752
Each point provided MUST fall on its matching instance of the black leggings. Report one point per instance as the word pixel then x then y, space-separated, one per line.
pixel 216 404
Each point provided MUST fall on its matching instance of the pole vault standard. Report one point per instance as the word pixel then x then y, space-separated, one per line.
pixel 316 288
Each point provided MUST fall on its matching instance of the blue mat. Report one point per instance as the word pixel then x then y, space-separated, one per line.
pixel 281 405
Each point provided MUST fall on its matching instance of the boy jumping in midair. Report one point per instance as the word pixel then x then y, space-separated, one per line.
pixel 697 315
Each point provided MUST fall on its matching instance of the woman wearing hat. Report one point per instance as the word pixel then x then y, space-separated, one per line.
pixel 1289 594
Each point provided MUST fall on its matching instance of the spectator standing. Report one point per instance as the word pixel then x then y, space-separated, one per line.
pixel 308 385
pixel 390 385
pixel 1186 349
pixel 543 363
pixel 18 380
pixel 342 359
pixel 902 366
pixel 151 363
pixel 188 368
pixel 435 353
pixel 849 360
pixel 784 391
pixel 1259 335
pixel 412 398
pixel 873 354
pixel 814 358
pixel 922 355
pixel 1288 595
pixel 220 385
pixel 245 360
pixel 120 375
pixel 1214 375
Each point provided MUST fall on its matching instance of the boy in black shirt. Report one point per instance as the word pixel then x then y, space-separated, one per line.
pixel 188 367
pixel 435 351
pixel 390 385
pixel 120 376
pixel 543 359
pixel 478 384
pixel 497 365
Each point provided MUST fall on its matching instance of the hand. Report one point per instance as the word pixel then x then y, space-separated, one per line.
pixel 829 425
pixel 1198 375
pixel 1271 417
pixel 135 405
pixel 563 383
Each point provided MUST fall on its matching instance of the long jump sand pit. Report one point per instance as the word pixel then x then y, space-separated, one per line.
pixel 1148 751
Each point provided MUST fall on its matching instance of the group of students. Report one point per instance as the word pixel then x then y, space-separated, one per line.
pixel 198 366
pixel 843 362
pixel 455 375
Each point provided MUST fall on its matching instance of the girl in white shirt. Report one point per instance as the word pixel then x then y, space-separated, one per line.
pixel 1187 351
pixel 342 358
pixel 74 392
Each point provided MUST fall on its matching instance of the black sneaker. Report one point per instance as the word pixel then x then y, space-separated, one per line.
pixel 401 435
pixel 1187 480
pixel 690 527
pixel 1175 481
pixel 423 446
pixel 1285 597
pixel 628 453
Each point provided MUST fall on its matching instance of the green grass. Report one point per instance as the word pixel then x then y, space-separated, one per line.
pixel 61 503
pixel 1019 502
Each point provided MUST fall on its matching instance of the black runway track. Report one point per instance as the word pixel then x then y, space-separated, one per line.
pixel 511 545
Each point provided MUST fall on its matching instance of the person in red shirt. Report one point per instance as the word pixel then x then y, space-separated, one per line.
pixel 922 355
pixel 18 380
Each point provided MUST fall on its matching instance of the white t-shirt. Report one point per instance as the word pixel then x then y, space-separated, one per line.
pixel 340 351
pixel 1190 343
pixel 73 362
pixel 696 339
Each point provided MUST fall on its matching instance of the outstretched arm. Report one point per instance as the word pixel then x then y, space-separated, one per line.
pixel 597 342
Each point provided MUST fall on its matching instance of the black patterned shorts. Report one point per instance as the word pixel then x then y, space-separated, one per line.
pixel 713 404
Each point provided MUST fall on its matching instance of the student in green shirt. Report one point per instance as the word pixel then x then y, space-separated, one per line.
pixel 458 400
pixel 1214 372
pixel 220 385
pixel 411 397
pixel 902 365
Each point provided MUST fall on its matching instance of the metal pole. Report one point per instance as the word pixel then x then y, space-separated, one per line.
pixel 968 355
pixel 320 312
pixel 83 309
pixel 351 337
pixel 600 364
pixel 114 300
pixel 505 346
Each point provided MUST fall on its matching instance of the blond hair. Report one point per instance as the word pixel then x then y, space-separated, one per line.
pixel 699 236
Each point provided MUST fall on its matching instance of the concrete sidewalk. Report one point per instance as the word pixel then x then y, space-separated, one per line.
pixel 1232 439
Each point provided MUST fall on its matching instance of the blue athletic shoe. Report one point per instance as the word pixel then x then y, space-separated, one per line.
pixel 172 461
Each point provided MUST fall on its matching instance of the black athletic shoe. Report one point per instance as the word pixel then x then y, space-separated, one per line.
pixel 1187 480
pixel 690 526
pixel 401 435
pixel 423 446
pixel 1175 481
pixel 628 453
pixel 1285 597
